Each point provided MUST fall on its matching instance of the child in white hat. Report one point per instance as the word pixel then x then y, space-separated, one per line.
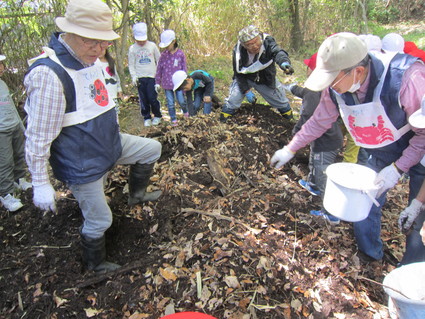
pixel 143 57
pixel 12 143
pixel 172 59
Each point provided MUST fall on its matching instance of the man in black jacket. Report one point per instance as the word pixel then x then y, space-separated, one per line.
pixel 254 58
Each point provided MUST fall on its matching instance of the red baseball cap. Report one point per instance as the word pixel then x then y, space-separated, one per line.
pixel 188 315
pixel 418 53
pixel 409 46
pixel 311 63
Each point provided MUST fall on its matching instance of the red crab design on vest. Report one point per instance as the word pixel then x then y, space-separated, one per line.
pixel 99 93
pixel 370 135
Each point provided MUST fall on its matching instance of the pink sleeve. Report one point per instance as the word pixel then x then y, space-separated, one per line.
pixel 411 93
pixel 322 119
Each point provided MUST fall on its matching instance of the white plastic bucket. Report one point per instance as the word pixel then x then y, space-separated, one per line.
pixel 410 281
pixel 350 191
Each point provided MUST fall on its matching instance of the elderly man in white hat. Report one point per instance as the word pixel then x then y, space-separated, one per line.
pixel 374 95
pixel 72 123
pixel 254 58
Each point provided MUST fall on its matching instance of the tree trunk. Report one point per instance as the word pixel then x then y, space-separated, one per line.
pixel 296 35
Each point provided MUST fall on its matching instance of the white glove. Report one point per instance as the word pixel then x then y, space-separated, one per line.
pixel 134 81
pixel 157 88
pixel 422 232
pixel 387 178
pixel 281 157
pixel 409 214
pixel 44 197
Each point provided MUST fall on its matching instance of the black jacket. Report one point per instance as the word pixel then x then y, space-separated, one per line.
pixel 332 139
pixel 266 76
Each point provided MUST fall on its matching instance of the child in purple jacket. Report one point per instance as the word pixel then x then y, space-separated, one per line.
pixel 172 59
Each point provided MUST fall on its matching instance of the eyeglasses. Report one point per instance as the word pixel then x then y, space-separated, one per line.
pixel 92 43
pixel 333 84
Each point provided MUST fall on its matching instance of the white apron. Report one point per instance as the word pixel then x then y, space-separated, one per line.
pixel 368 123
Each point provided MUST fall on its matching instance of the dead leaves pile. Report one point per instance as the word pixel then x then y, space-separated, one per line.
pixel 242 242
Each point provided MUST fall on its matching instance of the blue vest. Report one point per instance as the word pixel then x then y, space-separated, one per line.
pixel 390 100
pixel 81 153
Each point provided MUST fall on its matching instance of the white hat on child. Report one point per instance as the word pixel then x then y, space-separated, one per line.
pixel 393 42
pixel 2 57
pixel 140 31
pixel 178 78
pixel 166 38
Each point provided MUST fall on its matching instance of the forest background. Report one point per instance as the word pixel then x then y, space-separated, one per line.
pixel 207 29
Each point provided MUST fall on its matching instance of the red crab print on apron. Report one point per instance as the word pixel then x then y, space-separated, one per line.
pixel 368 123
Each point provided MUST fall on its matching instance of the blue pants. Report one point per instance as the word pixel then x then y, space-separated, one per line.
pixel 368 231
pixel 318 163
pixel 169 95
pixel 275 97
pixel 198 98
pixel 91 196
pixel 148 98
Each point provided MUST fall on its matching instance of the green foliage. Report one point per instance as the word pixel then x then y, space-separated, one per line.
pixel 380 13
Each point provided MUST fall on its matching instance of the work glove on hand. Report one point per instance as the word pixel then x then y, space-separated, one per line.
pixel 281 157
pixel 44 197
pixel 408 215
pixel 134 81
pixel 387 178
pixel 250 96
pixel 287 68
pixel 422 232
pixel 157 88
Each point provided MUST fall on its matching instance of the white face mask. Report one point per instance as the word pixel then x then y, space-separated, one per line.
pixel 355 86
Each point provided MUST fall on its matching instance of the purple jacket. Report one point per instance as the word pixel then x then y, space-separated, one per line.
pixel 168 64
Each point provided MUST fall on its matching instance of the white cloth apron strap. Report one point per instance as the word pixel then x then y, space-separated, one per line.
pixel 254 67
pixel 368 123
pixel 92 97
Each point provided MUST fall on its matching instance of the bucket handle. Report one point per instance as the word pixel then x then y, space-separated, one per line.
pixel 373 199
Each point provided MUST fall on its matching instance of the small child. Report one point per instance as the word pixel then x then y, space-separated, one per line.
pixel 202 85
pixel 172 59
pixel 112 79
pixel 12 143
pixel 323 150
pixel 143 57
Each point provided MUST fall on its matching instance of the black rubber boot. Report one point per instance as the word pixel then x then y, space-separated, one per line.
pixel 138 181
pixel 94 254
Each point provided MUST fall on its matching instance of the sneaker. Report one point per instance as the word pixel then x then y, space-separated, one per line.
pixel 307 186
pixel 330 218
pixel 156 121
pixel 288 115
pixel 174 123
pixel 11 203
pixel 148 122
pixel 186 114
pixel 23 184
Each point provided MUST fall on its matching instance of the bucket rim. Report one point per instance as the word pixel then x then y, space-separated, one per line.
pixel 335 166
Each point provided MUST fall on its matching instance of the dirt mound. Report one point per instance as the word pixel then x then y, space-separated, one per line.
pixel 230 237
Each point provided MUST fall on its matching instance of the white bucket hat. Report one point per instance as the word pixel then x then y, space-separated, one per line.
pixel 178 78
pixel 89 19
pixel 417 119
pixel 2 57
pixel 166 38
pixel 140 31
pixel 338 52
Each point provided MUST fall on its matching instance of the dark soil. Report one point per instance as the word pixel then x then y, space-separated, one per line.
pixel 230 237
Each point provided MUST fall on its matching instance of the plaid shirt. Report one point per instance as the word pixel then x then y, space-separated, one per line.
pixel 45 107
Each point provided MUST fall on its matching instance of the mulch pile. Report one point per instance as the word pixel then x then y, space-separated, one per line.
pixel 230 237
